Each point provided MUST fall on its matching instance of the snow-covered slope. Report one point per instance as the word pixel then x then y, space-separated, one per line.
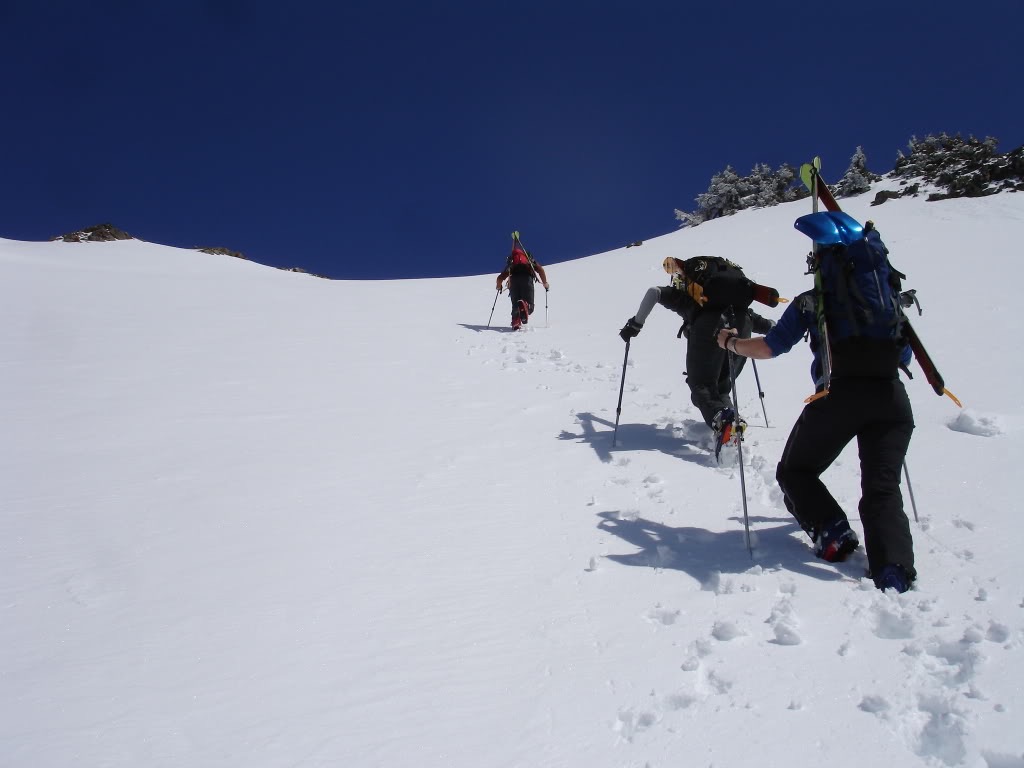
pixel 251 517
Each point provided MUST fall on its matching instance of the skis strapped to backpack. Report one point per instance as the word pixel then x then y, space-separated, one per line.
pixel 714 282
pixel 811 177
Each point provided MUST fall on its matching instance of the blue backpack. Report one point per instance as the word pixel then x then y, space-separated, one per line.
pixel 858 293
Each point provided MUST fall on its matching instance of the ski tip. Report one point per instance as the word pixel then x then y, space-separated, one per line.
pixel 952 397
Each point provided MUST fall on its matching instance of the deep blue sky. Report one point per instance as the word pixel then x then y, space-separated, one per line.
pixel 406 139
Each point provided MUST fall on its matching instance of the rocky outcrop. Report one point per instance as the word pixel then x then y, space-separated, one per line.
pixel 223 252
pixel 100 233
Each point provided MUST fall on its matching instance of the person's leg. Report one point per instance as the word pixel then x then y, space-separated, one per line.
pixel 817 439
pixel 517 285
pixel 883 444
pixel 514 293
pixel 704 363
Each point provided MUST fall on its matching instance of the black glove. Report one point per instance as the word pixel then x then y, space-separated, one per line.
pixel 630 329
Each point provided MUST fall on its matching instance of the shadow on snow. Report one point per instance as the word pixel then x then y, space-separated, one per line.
pixel 699 552
pixel 704 554
pixel 482 328
pixel 640 437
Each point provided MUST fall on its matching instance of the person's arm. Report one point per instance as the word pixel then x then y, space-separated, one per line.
pixel 756 348
pixel 635 324
pixel 759 324
pixel 779 340
pixel 650 300
pixel 501 278
pixel 540 273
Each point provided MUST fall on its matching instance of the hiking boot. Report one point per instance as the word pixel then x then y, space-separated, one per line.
pixel 835 542
pixel 723 419
pixel 524 311
pixel 893 576
pixel 516 320
pixel 727 428
pixel 726 423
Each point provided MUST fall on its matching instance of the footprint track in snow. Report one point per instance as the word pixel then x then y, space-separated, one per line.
pixel 943 700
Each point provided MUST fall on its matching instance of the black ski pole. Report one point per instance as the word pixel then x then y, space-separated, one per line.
pixel 496 294
pixel 760 392
pixel 545 307
pixel 910 488
pixel 739 443
pixel 622 386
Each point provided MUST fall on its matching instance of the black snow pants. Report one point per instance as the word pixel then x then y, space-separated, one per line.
pixel 877 412
pixel 520 286
pixel 707 364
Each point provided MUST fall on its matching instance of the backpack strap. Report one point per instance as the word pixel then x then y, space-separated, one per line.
pixel 848 287
pixel 842 284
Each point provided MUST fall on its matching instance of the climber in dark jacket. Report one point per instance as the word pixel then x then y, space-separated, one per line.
pixel 870 405
pixel 522 271
pixel 707 366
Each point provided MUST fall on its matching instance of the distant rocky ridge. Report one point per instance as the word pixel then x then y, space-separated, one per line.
pixel 103 233
pixel 223 252
pixel 240 255
pixel 100 233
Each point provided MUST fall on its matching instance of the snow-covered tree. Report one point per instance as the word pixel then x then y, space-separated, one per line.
pixel 857 178
pixel 721 199
pixel 729 192
pixel 938 159
pixel 782 183
pixel 958 167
